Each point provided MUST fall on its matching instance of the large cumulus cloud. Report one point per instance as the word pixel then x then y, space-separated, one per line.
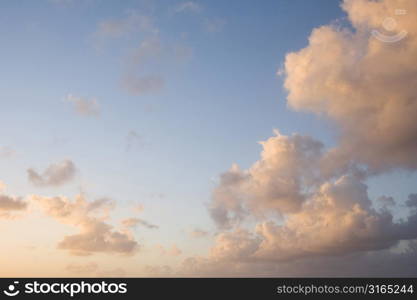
pixel 275 183
pixel 367 87
pixel 303 202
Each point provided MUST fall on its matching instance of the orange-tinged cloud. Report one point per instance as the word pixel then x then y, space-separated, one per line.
pixel 366 86
pixel 95 235
pixel 311 202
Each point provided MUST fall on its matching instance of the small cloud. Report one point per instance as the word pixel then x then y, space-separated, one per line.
pixel 84 107
pixel 95 235
pixel 134 222
pixel 147 54
pixel 10 204
pixel 188 7
pixel 56 174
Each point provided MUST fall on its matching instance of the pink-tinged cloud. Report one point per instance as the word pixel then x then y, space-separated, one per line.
pixel 95 235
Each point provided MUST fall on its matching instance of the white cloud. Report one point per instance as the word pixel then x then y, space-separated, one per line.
pixel 188 6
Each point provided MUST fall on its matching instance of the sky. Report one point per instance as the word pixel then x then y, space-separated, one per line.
pixel 208 138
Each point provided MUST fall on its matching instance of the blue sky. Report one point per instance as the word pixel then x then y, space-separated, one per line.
pixel 214 108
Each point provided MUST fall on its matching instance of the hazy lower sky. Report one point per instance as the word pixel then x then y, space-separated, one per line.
pixel 219 138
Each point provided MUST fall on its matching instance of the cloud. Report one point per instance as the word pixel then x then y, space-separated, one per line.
pixel 310 203
pixel 365 86
pixel 10 205
pixel 140 82
pixel 148 54
pixel 56 174
pixel 386 201
pixel 299 214
pixel 338 219
pixel 188 6
pixel 95 235
pixel 364 264
pixel 134 222
pixel 412 201
pixel 274 184
pixel 84 107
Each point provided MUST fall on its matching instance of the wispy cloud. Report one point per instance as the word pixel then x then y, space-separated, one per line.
pixel 95 235
pixel 188 7
pixel 84 107
pixel 134 222
pixel 54 175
